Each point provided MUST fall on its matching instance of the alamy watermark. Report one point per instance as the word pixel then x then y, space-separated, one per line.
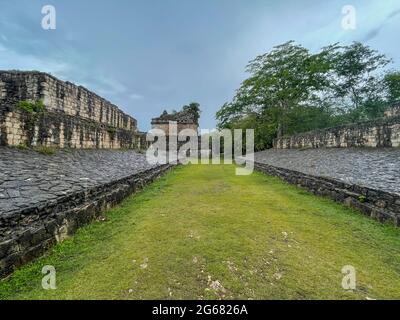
pixel 49 280
pixel 49 21
pixel 349 20
pixel 349 280
pixel 186 146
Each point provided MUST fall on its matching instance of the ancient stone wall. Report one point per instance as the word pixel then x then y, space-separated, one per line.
pixel 383 132
pixel 72 116
pixel 28 233
pixel 380 205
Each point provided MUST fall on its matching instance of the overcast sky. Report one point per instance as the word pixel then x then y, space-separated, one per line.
pixel 150 55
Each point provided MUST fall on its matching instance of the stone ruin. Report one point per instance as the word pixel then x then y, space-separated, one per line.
pixel 44 199
pixel 69 116
pixel 377 133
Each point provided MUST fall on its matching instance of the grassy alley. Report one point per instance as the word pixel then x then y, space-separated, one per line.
pixel 201 232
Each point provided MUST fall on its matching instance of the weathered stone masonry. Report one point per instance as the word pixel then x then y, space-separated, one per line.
pixel 380 205
pixel 26 234
pixel 44 200
pixel 73 117
pixel 380 133
pixel 384 132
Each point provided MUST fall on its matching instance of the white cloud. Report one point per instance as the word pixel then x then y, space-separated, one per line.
pixel 10 59
pixel 103 85
pixel 135 96
pixel 106 86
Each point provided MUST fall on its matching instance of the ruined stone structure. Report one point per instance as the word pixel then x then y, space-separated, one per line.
pixel 377 204
pixel 45 198
pixel 362 174
pixel 184 120
pixel 72 116
pixel 383 132
pixel 363 178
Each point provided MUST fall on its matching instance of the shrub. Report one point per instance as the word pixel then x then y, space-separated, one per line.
pixel 362 199
pixel 22 146
pixel 48 151
pixel 31 107
pixel 111 131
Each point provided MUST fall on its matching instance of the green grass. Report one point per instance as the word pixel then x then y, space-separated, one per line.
pixel 201 232
pixel 47 151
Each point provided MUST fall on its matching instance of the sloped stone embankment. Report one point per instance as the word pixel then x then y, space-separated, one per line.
pixel 44 199
pixel 367 179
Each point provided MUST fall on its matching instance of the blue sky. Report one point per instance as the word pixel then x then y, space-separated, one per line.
pixel 150 55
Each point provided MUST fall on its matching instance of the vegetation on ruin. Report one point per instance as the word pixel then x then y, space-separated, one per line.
pixel 291 90
pixel 193 108
pixel 362 199
pixel 22 146
pixel 112 131
pixel 228 237
pixel 32 111
pixel 48 151
pixel 31 107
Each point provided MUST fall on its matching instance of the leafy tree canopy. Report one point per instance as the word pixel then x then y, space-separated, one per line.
pixel 392 82
pixel 292 90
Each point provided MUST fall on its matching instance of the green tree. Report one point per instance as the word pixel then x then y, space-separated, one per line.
pixel 286 82
pixel 193 108
pixel 392 81
pixel 356 80
pixel 291 90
